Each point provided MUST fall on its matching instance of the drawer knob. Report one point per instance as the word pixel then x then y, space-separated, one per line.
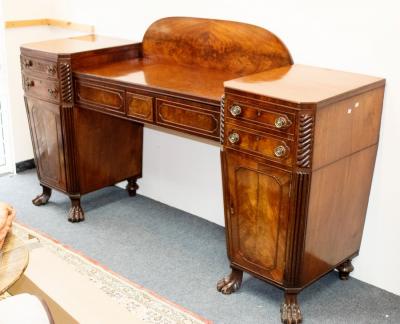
pixel 28 63
pixel 53 92
pixel 29 83
pixel 280 151
pixel 233 138
pixel 281 122
pixel 236 110
pixel 51 69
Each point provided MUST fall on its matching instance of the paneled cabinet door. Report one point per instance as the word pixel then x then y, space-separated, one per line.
pixel 258 210
pixel 46 133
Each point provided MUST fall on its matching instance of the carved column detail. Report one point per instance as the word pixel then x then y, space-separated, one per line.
pixel 66 82
pixel 306 124
pixel 67 119
pixel 222 119
pixel 301 182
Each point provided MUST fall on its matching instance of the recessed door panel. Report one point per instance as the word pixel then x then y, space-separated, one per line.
pixel 259 210
pixel 45 124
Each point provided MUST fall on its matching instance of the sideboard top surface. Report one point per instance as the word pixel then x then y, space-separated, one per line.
pixel 302 84
pixel 185 80
pixel 73 45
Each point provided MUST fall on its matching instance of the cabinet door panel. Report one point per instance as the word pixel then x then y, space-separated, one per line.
pixel 258 213
pixel 45 124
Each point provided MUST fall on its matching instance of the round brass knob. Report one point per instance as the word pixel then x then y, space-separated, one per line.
pixel 235 110
pixel 29 83
pixel 28 63
pixel 280 151
pixel 51 69
pixel 281 122
pixel 233 138
pixel 53 92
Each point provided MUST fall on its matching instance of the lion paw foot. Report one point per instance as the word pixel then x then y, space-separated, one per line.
pixel 291 314
pixel 76 214
pixel 43 198
pixel 231 283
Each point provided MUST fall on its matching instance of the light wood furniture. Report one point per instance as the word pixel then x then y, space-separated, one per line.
pixel 49 22
pixel 14 257
pixel 298 143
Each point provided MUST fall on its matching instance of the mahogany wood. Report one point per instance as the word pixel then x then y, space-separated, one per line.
pixel 191 82
pixel 99 163
pixel 298 143
pixel 45 124
pixel 214 44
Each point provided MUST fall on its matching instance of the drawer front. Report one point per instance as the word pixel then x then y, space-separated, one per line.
pixel 271 147
pixel 46 68
pixel 102 97
pixel 198 119
pixel 241 110
pixel 139 106
pixel 42 88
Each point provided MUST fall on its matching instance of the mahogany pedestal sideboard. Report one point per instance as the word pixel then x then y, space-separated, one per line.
pixel 298 143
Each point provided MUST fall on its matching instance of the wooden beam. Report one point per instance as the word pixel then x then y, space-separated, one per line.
pixel 25 23
pixel 71 25
pixel 50 22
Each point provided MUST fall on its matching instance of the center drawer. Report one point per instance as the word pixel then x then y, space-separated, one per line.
pixel 100 97
pixel 190 117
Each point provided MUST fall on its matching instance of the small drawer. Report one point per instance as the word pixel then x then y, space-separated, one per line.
pixel 101 97
pixel 259 143
pixel 197 119
pixel 266 115
pixel 42 88
pixel 139 106
pixel 47 68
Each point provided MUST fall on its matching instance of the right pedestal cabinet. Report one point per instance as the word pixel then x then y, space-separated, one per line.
pixel 298 152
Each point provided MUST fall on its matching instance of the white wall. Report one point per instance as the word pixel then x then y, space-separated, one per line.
pixel 13 39
pixel 358 36
pixel 6 143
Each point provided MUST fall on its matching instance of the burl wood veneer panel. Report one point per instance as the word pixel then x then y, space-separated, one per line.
pixel 214 44
pixel 258 200
pixel 46 133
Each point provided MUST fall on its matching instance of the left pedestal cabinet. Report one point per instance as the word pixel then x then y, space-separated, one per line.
pixel 71 153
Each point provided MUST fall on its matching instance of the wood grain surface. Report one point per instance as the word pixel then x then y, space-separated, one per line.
pixel 14 257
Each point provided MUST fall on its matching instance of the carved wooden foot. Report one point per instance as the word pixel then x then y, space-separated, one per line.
pixel 43 198
pixel 290 310
pixel 344 270
pixel 132 186
pixel 76 213
pixel 231 283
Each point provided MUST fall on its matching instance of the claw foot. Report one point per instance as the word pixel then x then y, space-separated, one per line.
pixel 290 310
pixel 231 283
pixel 76 213
pixel 290 314
pixel 43 198
pixel 344 270
pixel 132 186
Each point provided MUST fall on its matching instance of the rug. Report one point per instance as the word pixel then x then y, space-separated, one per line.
pixel 145 304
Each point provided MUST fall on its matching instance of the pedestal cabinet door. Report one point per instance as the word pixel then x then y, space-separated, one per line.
pixel 46 132
pixel 258 210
